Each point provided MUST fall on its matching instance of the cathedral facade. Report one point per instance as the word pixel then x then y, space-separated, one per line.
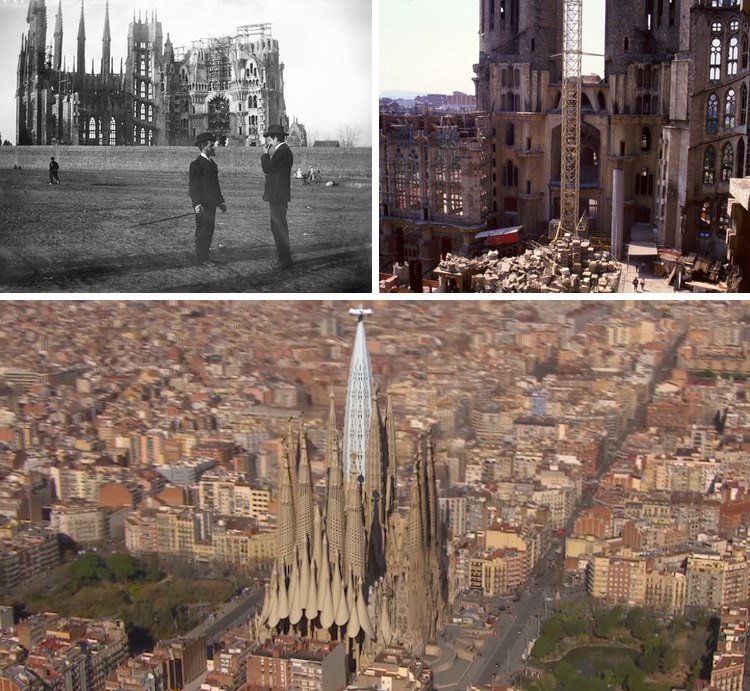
pixel 160 95
pixel 357 569
pixel 662 132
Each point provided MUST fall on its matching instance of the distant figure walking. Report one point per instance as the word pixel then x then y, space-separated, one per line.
pixel 277 165
pixel 643 285
pixel 635 284
pixel 205 195
pixel 54 166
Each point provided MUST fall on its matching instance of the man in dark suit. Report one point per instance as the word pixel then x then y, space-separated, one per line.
pixel 205 195
pixel 277 165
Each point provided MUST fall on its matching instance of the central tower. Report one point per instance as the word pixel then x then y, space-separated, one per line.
pixel 358 403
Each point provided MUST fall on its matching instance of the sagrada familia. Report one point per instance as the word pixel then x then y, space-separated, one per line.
pixel 357 569
pixel 161 95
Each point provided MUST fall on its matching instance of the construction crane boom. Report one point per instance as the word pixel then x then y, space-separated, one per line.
pixel 571 117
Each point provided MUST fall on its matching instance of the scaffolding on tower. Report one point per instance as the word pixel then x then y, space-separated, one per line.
pixel 571 122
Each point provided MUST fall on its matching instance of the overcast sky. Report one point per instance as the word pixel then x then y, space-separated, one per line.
pixel 430 46
pixel 325 45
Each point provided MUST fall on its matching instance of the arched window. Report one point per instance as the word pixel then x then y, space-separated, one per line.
pixel 112 132
pixel 626 44
pixel 740 157
pixel 143 135
pixel 727 161
pixel 714 71
pixel 730 109
pixel 732 53
pixel 712 114
pixel 645 139
pixel 705 218
pixel 510 135
pixel 503 103
pixel 92 129
pixel 143 90
pixel 722 218
pixel 143 111
pixel 744 52
pixel 743 104
pixel 504 77
pixel 516 77
pixel 709 166
pixel 150 113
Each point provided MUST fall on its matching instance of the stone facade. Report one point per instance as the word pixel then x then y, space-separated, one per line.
pixel 162 95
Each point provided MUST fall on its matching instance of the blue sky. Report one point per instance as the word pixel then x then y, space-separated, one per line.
pixel 431 45
pixel 326 47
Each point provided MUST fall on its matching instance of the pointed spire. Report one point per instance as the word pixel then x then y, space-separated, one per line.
pixel 106 41
pixel 305 500
pixel 81 44
pixel 58 37
pixel 358 402
pixel 335 493
pixel 286 521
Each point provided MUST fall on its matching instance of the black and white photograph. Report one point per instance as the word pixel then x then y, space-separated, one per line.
pixel 186 146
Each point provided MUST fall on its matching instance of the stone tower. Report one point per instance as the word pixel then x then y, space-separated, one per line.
pixel 515 32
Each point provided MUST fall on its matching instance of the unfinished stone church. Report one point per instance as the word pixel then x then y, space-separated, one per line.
pixel 662 132
pixel 160 94
pixel 358 569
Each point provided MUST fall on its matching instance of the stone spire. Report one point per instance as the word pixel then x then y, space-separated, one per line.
pixel 304 503
pixel 374 499
pixel 106 41
pixel 81 62
pixel 334 513
pixel 58 37
pixel 36 44
pixel 358 402
pixel 286 521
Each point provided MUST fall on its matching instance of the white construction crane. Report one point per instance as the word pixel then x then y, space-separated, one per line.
pixel 571 120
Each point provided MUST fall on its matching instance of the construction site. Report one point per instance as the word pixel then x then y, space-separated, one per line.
pixel 569 183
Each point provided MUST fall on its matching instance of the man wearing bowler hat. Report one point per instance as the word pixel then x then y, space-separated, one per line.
pixel 277 165
pixel 205 195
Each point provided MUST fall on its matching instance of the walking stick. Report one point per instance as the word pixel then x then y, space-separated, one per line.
pixel 161 220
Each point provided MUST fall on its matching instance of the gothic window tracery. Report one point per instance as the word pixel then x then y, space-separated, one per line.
pixel 730 109
pixel 712 114
pixel 709 166
pixel 727 161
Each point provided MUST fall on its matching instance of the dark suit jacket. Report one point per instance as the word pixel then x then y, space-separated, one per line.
pixel 278 170
pixel 204 183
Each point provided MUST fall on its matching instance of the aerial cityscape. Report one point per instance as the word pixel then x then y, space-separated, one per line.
pixel 540 495
pixel 565 181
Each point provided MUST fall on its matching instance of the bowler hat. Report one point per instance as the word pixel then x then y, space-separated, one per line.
pixel 204 137
pixel 275 130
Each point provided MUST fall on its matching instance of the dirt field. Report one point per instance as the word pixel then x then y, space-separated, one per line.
pixel 79 236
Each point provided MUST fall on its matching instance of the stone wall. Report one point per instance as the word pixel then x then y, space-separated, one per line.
pixel 332 162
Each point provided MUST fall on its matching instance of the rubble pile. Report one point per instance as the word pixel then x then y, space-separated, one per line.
pixel 566 265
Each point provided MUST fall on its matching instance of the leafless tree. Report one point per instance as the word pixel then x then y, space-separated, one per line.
pixel 348 136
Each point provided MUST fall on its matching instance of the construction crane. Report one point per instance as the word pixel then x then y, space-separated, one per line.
pixel 571 121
